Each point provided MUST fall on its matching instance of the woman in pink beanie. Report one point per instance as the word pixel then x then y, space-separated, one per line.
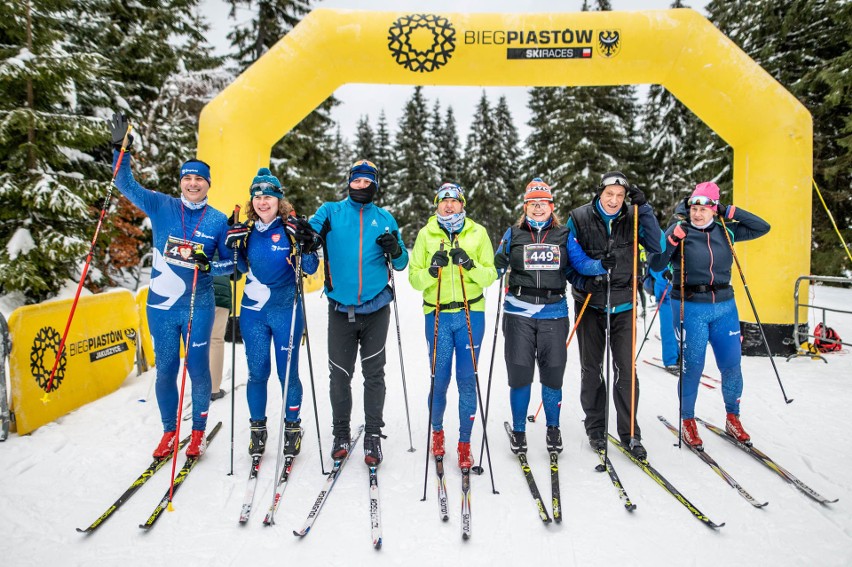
pixel 710 311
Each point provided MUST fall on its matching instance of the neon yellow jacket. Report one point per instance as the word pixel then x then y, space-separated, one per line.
pixel 474 240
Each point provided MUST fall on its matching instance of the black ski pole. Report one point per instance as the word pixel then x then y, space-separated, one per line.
pixel 287 378
pixel 754 310
pixel 476 376
pixel 311 371
pixel 651 325
pixel 477 469
pixel 236 218
pixel 432 379
pixel 399 348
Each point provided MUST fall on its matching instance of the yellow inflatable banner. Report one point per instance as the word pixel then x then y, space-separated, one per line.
pixel 98 355
pixel 769 130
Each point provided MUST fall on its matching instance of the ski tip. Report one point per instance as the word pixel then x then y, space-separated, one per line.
pixel 600 468
pixel 377 544
pixel 302 533
pixel 630 507
pixel 83 531
pixel 465 537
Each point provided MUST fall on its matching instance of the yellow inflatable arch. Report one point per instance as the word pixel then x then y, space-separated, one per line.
pixel 769 130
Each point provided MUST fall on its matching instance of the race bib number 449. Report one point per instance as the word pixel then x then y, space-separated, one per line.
pixel 179 251
pixel 541 257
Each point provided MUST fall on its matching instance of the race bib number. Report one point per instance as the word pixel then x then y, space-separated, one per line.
pixel 541 257
pixel 178 251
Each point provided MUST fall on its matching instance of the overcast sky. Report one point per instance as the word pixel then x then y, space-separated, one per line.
pixel 359 99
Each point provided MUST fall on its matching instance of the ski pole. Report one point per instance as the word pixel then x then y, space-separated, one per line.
pixel 234 340
pixel 754 310
pixel 633 440
pixel 651 326
pixel 477 469
pixel 287 378
pixel 88 262
pixel 476 375
pixel 187 345
pixel 399 348
pixel 532 418
pixel 311 371
pixel 432 380
pixel 608 363
pixel 680 353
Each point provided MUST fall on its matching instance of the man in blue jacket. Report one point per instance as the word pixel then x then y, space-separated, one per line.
pixel 356 237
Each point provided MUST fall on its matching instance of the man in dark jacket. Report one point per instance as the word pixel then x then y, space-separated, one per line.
pixel 604 229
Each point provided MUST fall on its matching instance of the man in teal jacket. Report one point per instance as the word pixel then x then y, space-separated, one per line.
pixel 356 236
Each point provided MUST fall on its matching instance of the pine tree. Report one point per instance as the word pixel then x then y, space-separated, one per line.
pixel 49 184
pixel 162 86
pixel 804 45
pixel 410 192
pixel 449 149
pixel 435 133
pixel 365 140
pixel 482 167
pixel 384 159
pixel 509 181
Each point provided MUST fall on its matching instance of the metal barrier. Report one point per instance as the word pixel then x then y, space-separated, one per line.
pixel 800 336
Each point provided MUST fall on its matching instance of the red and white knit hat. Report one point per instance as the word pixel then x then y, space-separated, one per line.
pixel 538 190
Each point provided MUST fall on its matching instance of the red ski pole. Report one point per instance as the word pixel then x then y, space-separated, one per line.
pixel 86 265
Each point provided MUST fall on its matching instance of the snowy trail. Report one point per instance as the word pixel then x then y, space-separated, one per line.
pixel 66 473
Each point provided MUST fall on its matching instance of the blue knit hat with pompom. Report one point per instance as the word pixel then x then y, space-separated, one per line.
pixel 264 183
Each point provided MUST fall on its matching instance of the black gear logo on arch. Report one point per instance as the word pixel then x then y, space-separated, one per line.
pixel 422 42
pixel 47 340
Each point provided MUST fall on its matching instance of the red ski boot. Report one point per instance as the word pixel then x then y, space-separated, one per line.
pixel 166 446
pixel 438 443
pixel 197 444
pixel 465 459
pixel 735 429
pixel 690 434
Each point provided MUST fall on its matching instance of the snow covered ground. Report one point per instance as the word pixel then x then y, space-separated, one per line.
pixel 67 473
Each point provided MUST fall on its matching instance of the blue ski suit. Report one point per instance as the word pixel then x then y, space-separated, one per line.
pixel 170 292
pixel 710 311
pixel 267 312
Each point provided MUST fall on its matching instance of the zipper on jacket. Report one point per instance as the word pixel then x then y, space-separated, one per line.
pixel 360 251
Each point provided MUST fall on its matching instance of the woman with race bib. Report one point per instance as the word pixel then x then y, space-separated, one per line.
pixel 537 251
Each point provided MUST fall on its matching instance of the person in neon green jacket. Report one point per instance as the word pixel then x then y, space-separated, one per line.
pixel 460 250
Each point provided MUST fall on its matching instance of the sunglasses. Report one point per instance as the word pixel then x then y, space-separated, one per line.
pixel 539 204
pixel 449 191
pixel 701 200
pixel 265 185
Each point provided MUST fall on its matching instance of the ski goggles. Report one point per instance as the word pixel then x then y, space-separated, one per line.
pixel 701 200
pixel 449 191
pixel 266 188
pixel 615 180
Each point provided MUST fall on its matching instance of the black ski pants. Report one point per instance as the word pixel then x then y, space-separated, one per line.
pixel 591 339
pixel 527 341
pixel 368 332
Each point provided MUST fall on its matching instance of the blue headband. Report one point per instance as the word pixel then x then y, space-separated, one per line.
pixel 195 167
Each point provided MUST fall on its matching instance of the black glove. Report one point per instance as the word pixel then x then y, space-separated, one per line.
pixel 501 260
pixel 461 258
pixel 236 236
pixel 608 262
pixel 440 259
pixel 667 275
pixel 201 260
pixel 389 241
pixel 637 197
pixel 721 209
pixel 118 125
pixel 679 233
pixel 300 229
